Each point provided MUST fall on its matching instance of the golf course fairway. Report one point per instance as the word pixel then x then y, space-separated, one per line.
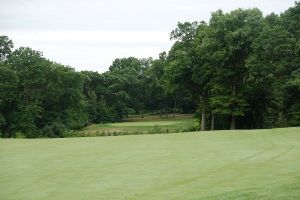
pixel 254 164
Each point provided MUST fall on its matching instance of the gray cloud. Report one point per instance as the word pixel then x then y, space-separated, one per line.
pixel 89 34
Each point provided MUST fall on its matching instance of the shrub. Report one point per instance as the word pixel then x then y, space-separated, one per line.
pixel 20 135
pixel 55 130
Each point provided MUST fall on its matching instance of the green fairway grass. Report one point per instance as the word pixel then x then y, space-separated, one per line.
pixel 254 164
pixel 147 125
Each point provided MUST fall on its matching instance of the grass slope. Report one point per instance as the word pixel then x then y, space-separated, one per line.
pixel 147 125
pixel 256 164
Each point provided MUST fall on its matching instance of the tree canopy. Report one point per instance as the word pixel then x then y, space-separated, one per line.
pixel 238 70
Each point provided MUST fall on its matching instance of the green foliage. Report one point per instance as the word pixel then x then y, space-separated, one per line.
pixel 6 46
pixel 54 130
pixel 20 135
pixel 240 68
pixel 36 92
pixel 242 65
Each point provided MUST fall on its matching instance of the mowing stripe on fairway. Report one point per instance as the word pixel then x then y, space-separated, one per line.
pixel 254 164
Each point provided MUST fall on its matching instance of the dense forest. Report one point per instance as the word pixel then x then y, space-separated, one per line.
pixel 239 70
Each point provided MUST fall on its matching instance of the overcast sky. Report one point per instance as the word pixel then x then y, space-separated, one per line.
pixel 90 34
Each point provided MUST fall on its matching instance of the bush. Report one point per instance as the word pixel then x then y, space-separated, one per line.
pixel 20 135
pixel 55 130
pixel 75 125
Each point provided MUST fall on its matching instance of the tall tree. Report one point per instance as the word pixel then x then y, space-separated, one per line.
pixel 180 63
pixel 235 32
pixel 6 46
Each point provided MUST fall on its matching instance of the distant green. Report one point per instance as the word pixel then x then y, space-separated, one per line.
pixel 256 164
pixel 147 125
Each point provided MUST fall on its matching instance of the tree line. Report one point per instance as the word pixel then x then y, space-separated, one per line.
pixel 239 70
pixel 41 98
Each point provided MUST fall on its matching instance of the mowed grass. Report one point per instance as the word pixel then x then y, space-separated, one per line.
pixel 255 164
pixel 147 125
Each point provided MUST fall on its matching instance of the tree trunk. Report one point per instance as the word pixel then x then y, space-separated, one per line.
pixel 203 117
pixel 212 121
pixel 174 112
pixel 232 127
